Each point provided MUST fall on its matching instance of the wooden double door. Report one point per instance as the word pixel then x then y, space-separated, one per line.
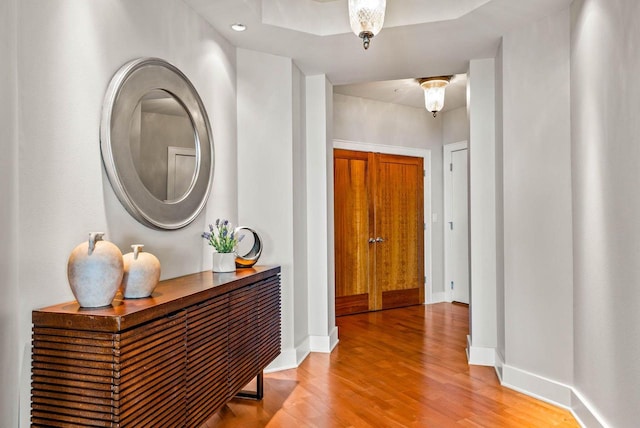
pixel 379 231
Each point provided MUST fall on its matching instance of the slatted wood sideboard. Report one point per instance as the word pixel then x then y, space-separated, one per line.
pixel 169 360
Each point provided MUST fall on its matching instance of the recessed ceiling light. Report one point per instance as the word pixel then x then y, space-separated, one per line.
pixel 238 27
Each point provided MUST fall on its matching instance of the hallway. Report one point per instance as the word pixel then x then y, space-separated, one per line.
pixel 396 368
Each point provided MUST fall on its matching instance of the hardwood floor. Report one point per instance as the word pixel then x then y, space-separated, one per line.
pixel 396 368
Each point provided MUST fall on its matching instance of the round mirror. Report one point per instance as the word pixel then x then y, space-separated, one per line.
pixel 156 144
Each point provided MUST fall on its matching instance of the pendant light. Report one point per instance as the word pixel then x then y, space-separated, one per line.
pixel 434 92
pixel 366 18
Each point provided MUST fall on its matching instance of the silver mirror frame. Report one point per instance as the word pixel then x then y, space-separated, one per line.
pixel 127 87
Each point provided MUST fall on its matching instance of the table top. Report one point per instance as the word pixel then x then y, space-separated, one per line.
pixel 169 296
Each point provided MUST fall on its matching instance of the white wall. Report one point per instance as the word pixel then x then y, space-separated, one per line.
pixel 9 286
pixel 266 172
pixel 606 207
pixel 319 165
pixel 284 160
pixel 482 211
pixel 300 242
pixel 499 214
pixel 67 53
pixel 375 122
pixel 537 209
pixel 455 125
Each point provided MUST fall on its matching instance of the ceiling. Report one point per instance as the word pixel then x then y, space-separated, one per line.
pixel 420 38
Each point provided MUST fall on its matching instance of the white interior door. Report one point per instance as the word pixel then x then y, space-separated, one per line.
pixel 459 227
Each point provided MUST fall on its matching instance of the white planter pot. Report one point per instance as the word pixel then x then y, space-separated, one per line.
pixel 224 262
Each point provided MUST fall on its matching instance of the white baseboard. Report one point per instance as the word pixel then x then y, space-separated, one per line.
pixel 291 358
pixel 584 412
pixel 437 297
pixel 479 356
pixel 324 344
pixel 550 391
pixel 536 386
pixel 285 361
pixel 302 351
pixel 333 338
pixel 499 365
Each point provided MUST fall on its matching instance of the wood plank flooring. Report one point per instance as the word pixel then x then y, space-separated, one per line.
pixel 395 368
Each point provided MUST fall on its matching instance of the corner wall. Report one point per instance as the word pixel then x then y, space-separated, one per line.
pixel 266 173
pixel 482 212
pixel 500 347
pixel 323 333
pixel 67 53
pixel 605 143
pixel 9 239
pixel 300 213
pixel 538 258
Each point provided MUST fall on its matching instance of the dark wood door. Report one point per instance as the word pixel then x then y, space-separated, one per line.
pixel 353 205
pixel 379 231
pixel 399 220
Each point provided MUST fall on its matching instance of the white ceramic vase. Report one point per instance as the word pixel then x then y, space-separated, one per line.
pixel 141 273
pixel 224 262
pixel 95 270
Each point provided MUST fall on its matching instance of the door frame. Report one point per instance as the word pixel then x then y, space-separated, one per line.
pixel 425 154
pixel 447 149
pixel 172 153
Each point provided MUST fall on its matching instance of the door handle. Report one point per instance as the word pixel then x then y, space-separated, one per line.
pixel 372 240
pixel 379 239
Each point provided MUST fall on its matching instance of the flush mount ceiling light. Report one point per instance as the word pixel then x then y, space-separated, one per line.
pixel 434 92
pixel 366 18
pixel 238 27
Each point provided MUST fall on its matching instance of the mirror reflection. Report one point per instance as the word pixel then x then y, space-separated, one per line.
pixel 163 145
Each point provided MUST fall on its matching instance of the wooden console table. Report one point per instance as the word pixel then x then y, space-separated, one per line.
pixel 169 360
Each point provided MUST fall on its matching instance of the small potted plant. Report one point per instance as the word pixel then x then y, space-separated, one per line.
pixel 222 238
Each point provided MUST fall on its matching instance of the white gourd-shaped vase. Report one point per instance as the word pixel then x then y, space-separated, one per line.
pixel 141 273
pixel 95 269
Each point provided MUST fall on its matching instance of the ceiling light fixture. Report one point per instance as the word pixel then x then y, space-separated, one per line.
pixel 366 18
pixel 238 27
pixel 434 92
